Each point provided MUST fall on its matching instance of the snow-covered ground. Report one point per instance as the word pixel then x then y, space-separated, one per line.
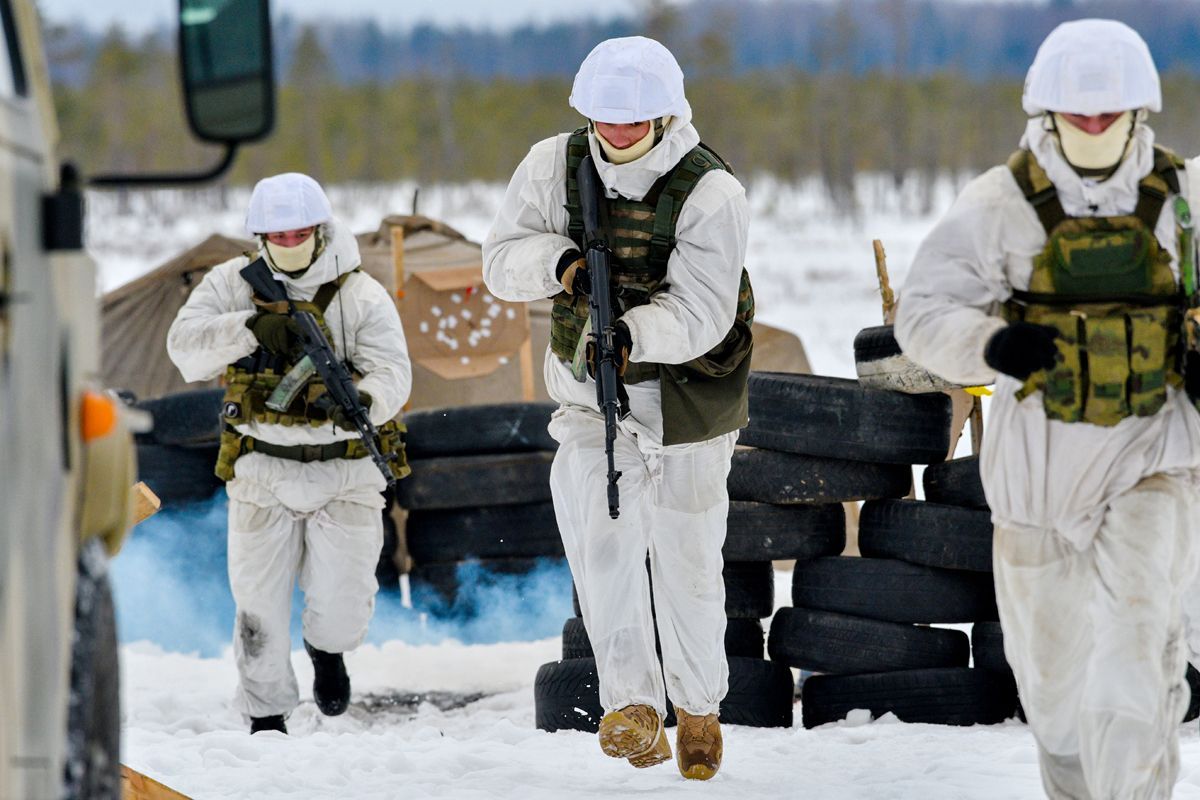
pixel 433 717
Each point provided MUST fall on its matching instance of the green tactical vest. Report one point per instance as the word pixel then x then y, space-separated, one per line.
pixel 705 397
pixel 249 383
pixel 1105 283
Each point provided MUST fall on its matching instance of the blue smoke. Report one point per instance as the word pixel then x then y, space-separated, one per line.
pixel 171 588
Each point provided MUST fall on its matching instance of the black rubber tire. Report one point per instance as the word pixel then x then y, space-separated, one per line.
pixel 894 591
pixel 178 475
pixel 881 365
pixel 837 418
pixel 824 641
pixel 479 430
pixel 950 696
pixel 749 590
pixel 761 532
pixel 987 647
pixel 932 534
pixel 387 573
pixel 744 638
pixel 436 585
pixel 566 695
pixel 457 534
pixel 93 758
pixel 767 476
pixel 1192 678
pixel 184 418
pixel 955 483
pixel 473 481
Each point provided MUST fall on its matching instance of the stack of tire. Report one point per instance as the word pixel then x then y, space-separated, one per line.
pixel 176 457
pixel 813 443
pixel 479 492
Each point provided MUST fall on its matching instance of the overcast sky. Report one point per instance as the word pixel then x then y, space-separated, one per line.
pixel 138 15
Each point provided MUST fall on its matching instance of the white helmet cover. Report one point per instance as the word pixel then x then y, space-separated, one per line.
pixel 631 79
pixel 286 202
pixel 1092 66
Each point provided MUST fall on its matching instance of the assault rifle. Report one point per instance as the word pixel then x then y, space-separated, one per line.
pixel 610 393
pixel 319 359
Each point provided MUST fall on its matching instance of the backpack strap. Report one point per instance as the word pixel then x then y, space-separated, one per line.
pixel 1154 189
pixel 673 190
pixel 1038 189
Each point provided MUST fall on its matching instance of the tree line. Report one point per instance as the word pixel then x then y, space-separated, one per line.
pixel 127 115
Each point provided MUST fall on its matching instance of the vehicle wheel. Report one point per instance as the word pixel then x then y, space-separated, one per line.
pixel 955 483
pixel 479 430
pixel 473 481
pixel 760 532
pixel 93 760
pixel 178 475
pixel 894 591
pixel 932 534
pixel 824 641
pixel 743 639
pixel 184 418
pixel 527 530
pixel 951 696
pixel 880 365
pixel 767 476
pixel 566 695
pixel 837 418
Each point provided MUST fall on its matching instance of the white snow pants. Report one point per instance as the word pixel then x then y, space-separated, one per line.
pixel 1096 642
pixel 674 505
pixel 318 520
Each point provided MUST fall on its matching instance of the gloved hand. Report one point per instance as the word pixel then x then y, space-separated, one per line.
pixel 1022 349
pixel 1191 374
pixel 336 414
pixel 622 344
pixel 278 333
pixel 572 273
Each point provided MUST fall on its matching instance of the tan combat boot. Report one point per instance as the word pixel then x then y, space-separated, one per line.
pixel 698 745
pixel 636 733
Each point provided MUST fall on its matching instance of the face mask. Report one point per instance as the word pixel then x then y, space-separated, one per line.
pixel 638 148
pixel 293 259
pixel 1094 151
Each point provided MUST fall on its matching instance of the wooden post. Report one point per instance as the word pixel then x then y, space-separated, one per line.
pixel 398 261
pixel 885 286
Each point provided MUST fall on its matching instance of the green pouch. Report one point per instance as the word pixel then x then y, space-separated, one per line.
pixel 1116 260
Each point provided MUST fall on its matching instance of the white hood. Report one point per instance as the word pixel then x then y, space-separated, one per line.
pixel 1087 197
pixel 634 179
pixel 339 257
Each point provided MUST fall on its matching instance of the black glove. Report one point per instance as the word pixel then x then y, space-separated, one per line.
pixel 573 274
pixel 622 344
pixel 1191 374
pixel 278 333
pixel 1021 349
pixel 334 411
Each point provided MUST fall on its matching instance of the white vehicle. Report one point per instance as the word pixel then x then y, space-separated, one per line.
pixel 66 455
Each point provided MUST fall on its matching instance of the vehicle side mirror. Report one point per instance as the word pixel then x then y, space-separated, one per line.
pixel 225 62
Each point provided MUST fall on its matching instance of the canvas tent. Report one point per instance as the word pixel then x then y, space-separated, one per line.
pixel 468 348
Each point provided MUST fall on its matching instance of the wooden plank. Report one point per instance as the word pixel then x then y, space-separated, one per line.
pixel 145 502
pixel 136 786
pixel 527 369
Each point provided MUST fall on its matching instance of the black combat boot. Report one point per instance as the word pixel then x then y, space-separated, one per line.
pixel 271 723
pixel 331 684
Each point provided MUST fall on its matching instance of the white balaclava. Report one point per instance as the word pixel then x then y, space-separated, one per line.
pixel 639 148
pixel 1094 151
pixel 293 259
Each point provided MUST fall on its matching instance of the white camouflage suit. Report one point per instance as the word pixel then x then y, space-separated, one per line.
pixel 1093 525
pixel 674 501
pixel 320 520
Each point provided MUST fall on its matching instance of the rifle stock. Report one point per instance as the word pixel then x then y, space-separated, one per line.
pixel 608 387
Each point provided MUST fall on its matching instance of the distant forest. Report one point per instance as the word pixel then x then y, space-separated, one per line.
pixel 798 88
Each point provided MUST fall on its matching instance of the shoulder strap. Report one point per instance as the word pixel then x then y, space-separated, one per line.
pixel 672 191
pixel 325 293
pixel 1037 188
pixel 1154 189
pixel 577 148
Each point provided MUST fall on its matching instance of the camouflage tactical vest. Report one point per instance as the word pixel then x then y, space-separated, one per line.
pixel 707 396
pixel 249 383
pixel 1105 283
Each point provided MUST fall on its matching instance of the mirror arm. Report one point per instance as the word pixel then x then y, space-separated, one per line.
pixel 114 181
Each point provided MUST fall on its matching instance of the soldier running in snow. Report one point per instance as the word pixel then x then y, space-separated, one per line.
pixel 676 220
pixel 1061 272
pixel 304 500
